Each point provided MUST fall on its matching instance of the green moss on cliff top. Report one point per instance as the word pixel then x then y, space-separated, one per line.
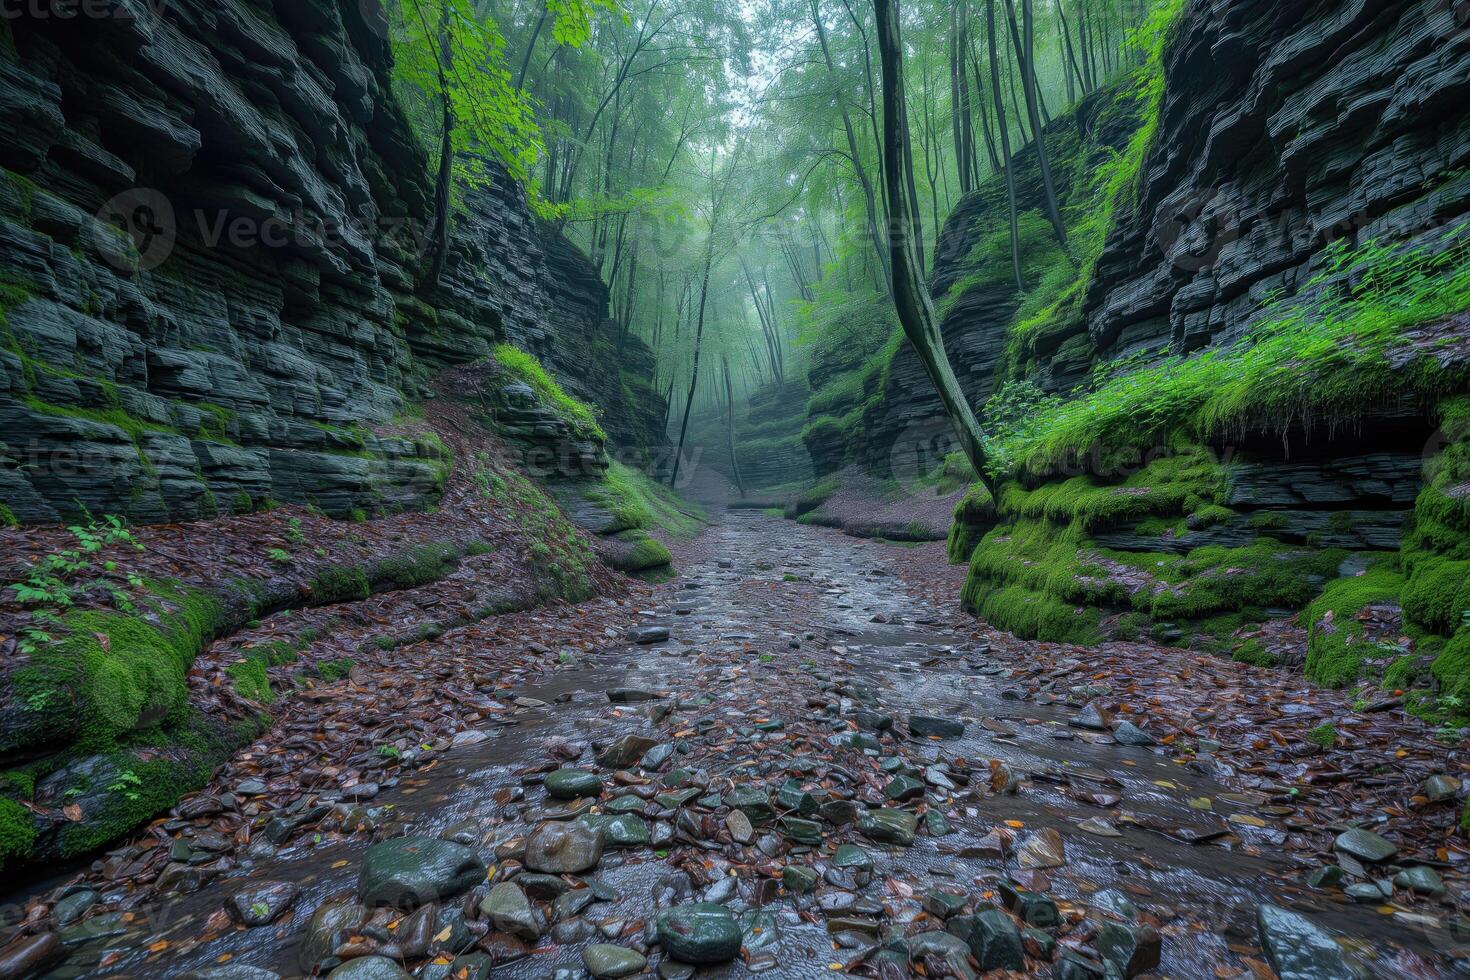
pixel 525 368
pixel 1327 358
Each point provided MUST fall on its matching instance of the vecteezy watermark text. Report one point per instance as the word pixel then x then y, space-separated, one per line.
pixel 80 9
pixel 146 218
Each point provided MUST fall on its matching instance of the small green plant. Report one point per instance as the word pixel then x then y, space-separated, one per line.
pixel 127 783
pixel 389 752
pixel 279 556
pixel 294 534
pixel 1323 735
pixel 60 578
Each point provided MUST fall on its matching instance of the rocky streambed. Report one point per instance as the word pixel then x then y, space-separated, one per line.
pixel 794 759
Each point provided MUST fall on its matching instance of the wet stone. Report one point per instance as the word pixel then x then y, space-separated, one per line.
pixel 943 904
pixel 262 903
pixel 937 824
pixel 28 955
pixel 655 757
pixel 649 635
pixel 1074 966
pixel 851 857
pixel 942 948
pixel 630 804
pixel 1365 892
pixel 1114 902
pixel 1420 880
pixel 873 721
pixel 1132 949
pixel 510 911
pixel 676 799
pixel 674 970
pixel 571 784
pixel 1365 846
pixel 1035 910
pixel 369 968
pixel 625 751
pixel 1327 876
pixel 620 829
pixel 793 799
pixel 903 788
pixel 1297 949
pixel 702 934
pixel 740 827
pixel 607 962
pixel 541 886
pixel 327 925
pixel 631 695
pixel 571 904
pixel 1039 943
pixel 1093 717
pixel 798 879
pixel 889 826
pixel 802 831
pixel 72 907
pixel 570 848
pixel 993 938
pixel 412 871
pixel 1128 733
pixel 925 726
pixel 754 803
pixel 1440 788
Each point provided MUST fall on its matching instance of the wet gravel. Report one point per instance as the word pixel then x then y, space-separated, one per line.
pixel 794 663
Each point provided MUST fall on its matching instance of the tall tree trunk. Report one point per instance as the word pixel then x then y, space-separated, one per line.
pixel 980 89
pixel 870 194
pixel 1024 38
pixel 444 183
pixel 956 68
pixel 1071 52
pixel 1005 142
pixel 966 106
pixel 709 261
pixel 730 429
pixel 531 47
pixel 910 294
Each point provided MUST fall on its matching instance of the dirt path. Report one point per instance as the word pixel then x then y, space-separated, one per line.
pixel 795 654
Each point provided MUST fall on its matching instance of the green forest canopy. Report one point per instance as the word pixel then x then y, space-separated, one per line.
pixel 620 117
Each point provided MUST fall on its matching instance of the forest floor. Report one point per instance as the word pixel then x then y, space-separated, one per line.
pixel 787 670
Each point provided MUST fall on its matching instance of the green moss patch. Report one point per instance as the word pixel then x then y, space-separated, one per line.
pixel 637 502
pixel 1337 646
pixel 528 370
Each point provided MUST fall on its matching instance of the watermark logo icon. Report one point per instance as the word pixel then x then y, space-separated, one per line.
pixel 145 218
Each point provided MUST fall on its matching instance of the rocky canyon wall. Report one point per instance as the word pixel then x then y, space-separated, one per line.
pixel 213 231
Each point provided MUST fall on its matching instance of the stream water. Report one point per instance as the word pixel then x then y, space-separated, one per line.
pixel 764 617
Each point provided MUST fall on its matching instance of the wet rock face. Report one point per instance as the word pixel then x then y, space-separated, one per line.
pixel 264 308
pixel 1300 124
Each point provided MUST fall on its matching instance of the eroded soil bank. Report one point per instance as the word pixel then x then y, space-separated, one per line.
pixel 804 712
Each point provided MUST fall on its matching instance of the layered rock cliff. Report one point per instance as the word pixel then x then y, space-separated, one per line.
pixel 212 246
pixel 1291 171
pixel 1307 170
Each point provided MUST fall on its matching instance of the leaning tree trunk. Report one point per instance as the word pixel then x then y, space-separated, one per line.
pixel 910 294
